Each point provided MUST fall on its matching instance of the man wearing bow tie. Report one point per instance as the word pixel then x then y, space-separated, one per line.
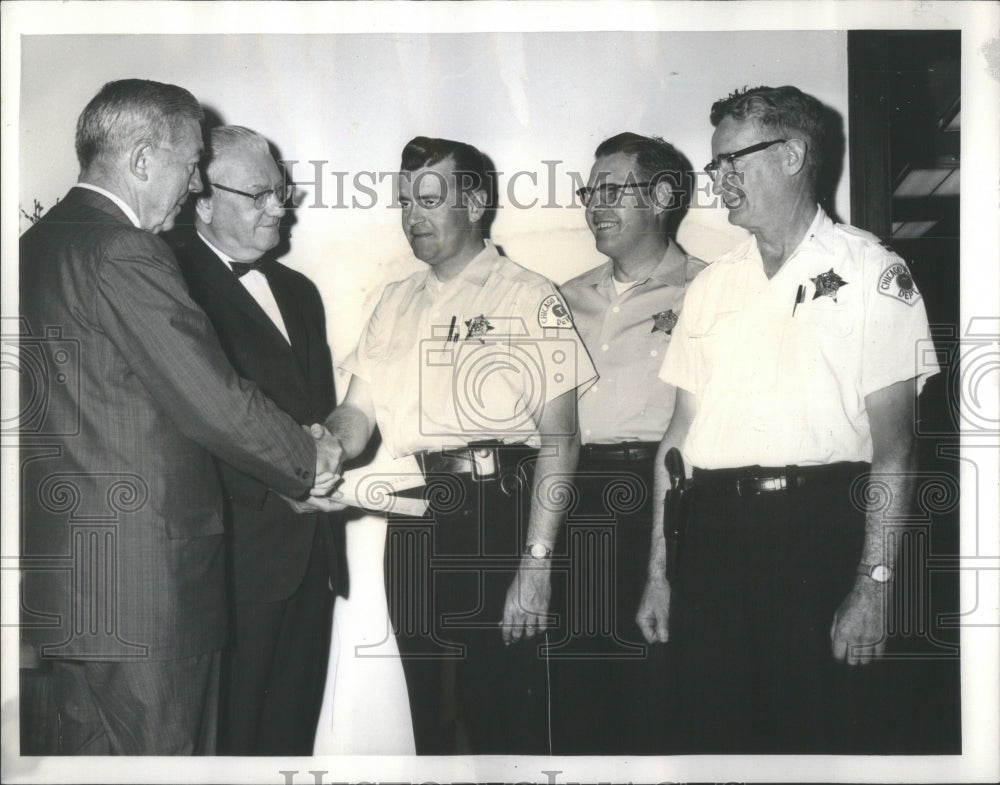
pixel 271 324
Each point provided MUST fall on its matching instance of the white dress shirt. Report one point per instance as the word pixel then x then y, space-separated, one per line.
pixel 255 282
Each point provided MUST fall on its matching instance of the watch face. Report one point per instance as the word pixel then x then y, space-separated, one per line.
pixel 538 551
pixel 881 573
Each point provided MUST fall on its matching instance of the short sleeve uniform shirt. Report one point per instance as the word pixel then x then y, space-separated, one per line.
pixel 780 367
pixel 473 358
pixel 627 335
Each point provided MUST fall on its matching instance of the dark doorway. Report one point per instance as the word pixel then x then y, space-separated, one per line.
pixel 905 117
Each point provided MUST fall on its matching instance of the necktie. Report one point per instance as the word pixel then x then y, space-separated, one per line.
pixel 242 268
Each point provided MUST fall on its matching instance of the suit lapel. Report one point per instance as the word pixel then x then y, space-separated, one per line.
pixel 291 314
pixel 222 281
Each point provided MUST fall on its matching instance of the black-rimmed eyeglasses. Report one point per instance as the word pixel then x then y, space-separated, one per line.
pixel 609 193
pixel 281 194
pixel 713 166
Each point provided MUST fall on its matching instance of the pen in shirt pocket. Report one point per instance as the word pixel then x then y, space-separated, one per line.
pixel 800 296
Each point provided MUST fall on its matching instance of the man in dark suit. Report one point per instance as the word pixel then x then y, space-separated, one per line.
pixel 125 396
pixel 271 324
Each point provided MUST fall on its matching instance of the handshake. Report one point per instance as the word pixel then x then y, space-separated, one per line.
pixel 329 457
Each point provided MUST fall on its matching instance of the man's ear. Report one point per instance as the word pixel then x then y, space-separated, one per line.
pixel 663 195
pixel 475 203
pixel 140 158
pixel 203 209
pixel 795 155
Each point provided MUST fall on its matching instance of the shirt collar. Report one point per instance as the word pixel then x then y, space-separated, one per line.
pixel 820 231
pixel 477 271
pixel 226 258
pixel 129 212
pixel 671 271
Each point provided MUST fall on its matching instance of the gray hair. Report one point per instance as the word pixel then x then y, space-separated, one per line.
pixel 224 139
pixel 130 111
pixel 786 111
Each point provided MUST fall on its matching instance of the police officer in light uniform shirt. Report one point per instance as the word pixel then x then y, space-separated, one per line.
pixel 473 350
pixel 625 309
pixel 797 364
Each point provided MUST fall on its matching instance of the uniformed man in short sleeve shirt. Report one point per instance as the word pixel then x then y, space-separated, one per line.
pixel 797 368
pixel 625 310
pixel 473 366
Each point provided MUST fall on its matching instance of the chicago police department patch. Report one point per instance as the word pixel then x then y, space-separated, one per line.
pixel 553 313
pixel 897 283
pixel 664 321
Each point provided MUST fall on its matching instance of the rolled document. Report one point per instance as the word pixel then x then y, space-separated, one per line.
pixel 374 487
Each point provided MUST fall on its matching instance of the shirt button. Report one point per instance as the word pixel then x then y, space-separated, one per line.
pixel 595 388
pixel 604 348
pixel 653 353
pixel 616 309
pixel 587 432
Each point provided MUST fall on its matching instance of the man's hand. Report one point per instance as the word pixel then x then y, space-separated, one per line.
pixel 654 609
pixel 329 457
pixel 313 504
pixel 527 600
pixel 858 630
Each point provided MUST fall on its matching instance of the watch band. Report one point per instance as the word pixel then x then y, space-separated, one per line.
pixel 537 551
pixel 880 573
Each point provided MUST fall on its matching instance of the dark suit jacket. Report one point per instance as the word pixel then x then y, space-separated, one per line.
pixel 127 393
pixel 270 542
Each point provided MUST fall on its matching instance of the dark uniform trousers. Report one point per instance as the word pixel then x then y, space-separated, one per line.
pixel 760 577
pixel 447 577
pixel 609 685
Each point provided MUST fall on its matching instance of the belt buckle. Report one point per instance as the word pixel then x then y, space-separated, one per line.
pixel 484 464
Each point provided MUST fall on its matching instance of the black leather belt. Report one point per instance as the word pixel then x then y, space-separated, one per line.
pixel 755 480
pixel 479 460
pixel 623 452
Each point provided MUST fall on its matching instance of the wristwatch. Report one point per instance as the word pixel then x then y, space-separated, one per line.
pixel 538 551
pixel 880 573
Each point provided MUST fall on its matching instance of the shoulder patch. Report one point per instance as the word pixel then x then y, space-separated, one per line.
pixel 897 283
pixel 554 313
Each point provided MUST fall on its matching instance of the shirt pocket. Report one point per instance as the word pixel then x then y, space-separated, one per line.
pixel 826 342
pixel 716 343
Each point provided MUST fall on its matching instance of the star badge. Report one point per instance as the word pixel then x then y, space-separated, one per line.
pixel 664 321
pixel 827 284
pixel 478 327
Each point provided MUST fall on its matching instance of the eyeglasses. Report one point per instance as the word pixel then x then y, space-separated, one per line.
pixel 281 194
pixel 610 193
pixel 713 166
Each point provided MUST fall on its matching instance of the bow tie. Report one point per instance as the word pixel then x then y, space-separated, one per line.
pixel 242 268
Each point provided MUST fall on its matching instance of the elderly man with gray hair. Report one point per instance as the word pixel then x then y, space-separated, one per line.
pixel 272 326
pixel 122 548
